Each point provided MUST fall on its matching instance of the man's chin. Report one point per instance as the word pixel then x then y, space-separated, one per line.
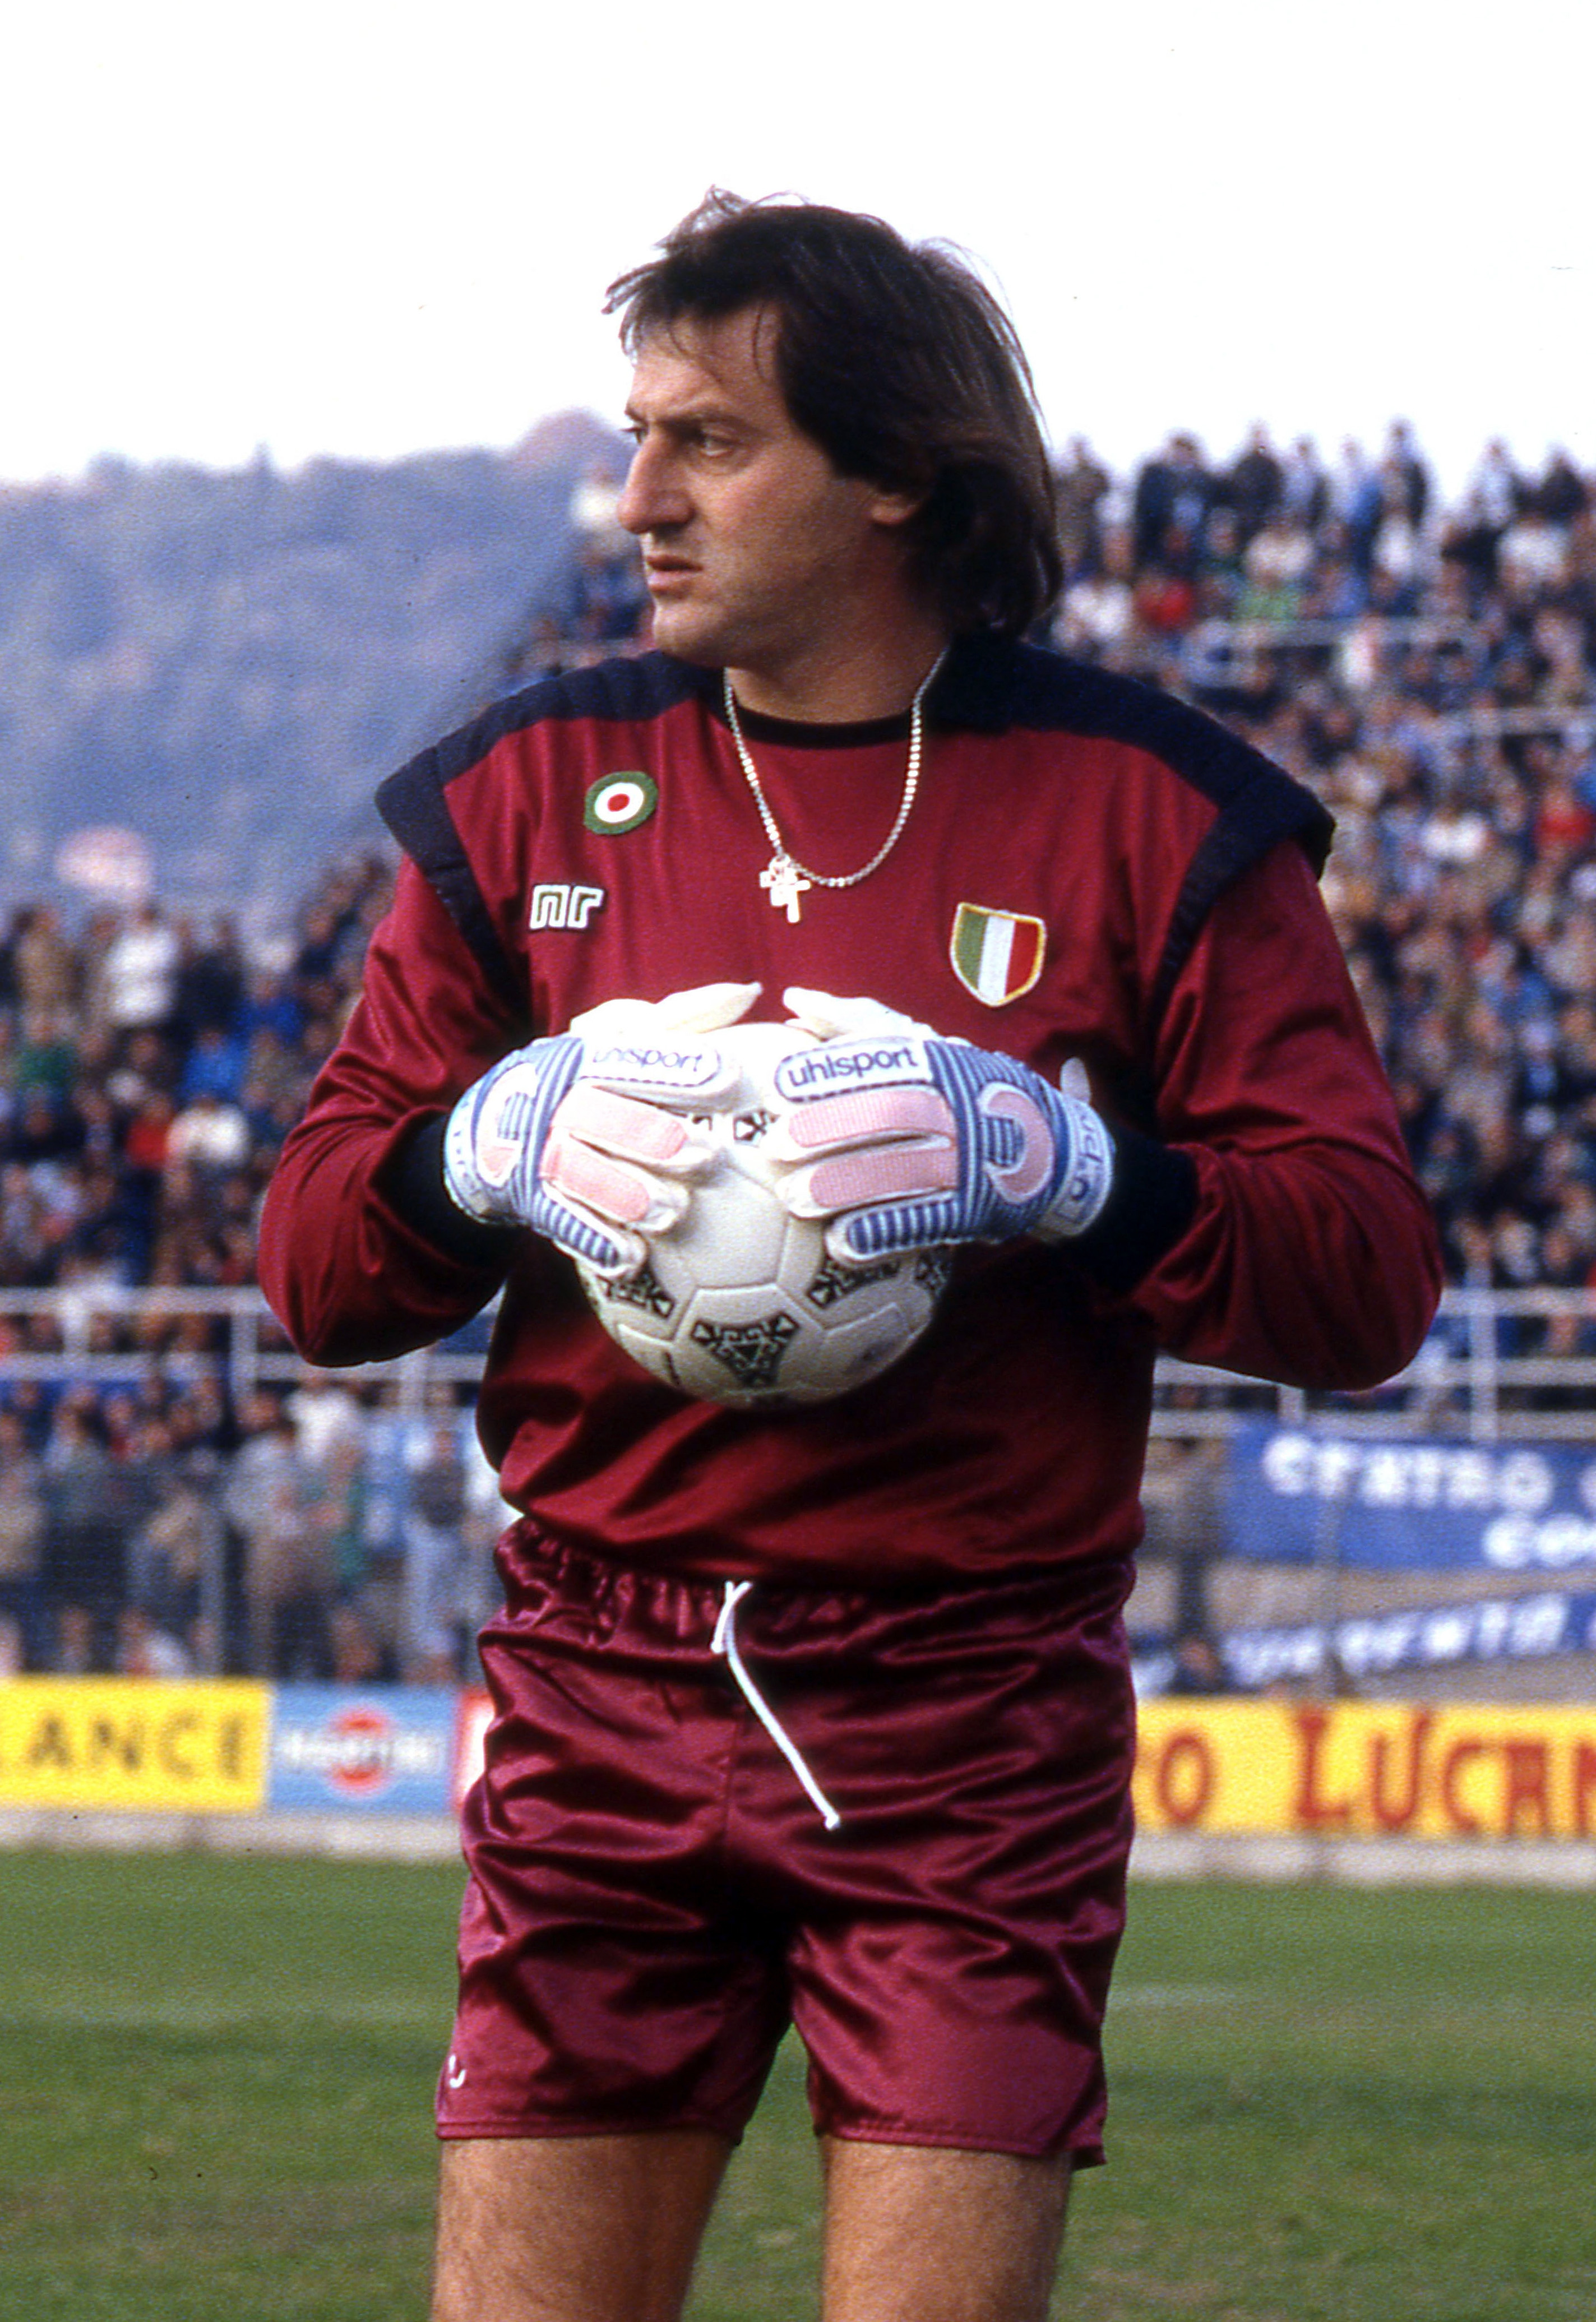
pixel 677 632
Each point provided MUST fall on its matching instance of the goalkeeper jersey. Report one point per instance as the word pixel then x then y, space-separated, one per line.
pixel 1089 871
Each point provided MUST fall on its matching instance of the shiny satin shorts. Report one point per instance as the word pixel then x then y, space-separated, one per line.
pixel 655 1894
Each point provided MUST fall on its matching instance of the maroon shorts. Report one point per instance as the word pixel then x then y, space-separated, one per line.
pixel 653 1896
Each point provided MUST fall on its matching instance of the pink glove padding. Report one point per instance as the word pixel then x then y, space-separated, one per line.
pixel 620 1157
pixel 587 1135
pixel 877 1145
pixel 905 1140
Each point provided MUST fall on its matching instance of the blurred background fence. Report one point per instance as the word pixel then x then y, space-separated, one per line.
pixel 1497 1365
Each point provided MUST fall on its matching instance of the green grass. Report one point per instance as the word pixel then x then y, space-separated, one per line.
pixel 1366 2106
pixel 217 2074
pixel 1353 2105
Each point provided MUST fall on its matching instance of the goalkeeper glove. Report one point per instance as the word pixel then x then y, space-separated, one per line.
pixel 905 1140
pixel 584 1137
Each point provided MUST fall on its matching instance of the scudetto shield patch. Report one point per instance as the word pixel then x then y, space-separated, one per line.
pixel 619 802
pixel 996 955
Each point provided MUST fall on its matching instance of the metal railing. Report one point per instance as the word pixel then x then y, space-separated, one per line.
pixel 1500 1365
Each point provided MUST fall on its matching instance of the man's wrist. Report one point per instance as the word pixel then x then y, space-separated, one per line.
pixel 1151 1200
pixel 415 1185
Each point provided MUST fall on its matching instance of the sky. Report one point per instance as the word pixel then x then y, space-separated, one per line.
pixel 370 230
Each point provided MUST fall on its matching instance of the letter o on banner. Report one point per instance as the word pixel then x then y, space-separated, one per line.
pixel 1183 1778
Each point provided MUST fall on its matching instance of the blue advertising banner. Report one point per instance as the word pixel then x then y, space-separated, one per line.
pixel 1434 1636
pixel 1430 1636
pixel 1298 1495
pixel 384 1749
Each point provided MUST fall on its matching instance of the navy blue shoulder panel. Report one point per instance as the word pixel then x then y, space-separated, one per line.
pixel 414 802
pixel 415 808
pixel 625 690
pixel 994 686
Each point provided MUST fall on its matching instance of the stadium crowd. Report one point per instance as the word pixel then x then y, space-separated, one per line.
pixel 1429 668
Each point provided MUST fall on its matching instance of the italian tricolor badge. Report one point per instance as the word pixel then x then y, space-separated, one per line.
pixel 996 955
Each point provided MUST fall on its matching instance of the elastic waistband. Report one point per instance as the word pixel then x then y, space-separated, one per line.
pixel 678 1605
pixel 659 1626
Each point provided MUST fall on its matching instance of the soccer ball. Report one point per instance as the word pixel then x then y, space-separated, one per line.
pixel 742 1303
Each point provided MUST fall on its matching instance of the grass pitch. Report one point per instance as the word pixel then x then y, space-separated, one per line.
pixel 1364 2107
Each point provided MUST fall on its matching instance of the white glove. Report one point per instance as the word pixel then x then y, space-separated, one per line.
pixel 831 1018
pixel 906 1140
pixel 584 1137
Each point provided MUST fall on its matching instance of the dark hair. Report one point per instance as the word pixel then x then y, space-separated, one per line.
pixel 901 365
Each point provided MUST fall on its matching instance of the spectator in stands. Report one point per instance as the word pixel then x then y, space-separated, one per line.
pixel 1175 493
pixel 213 1067
pixel 1082 485
pixel 1276 562
pixel 1354 501
pixel 1252 488
pixel 1182 1496
pixel 140 975
pixel 1494 491
pixel 596 526
pixel 46 1058
pixel 174 1577
pixel 324 1564
pixel 359 1655
pixel 143 1649
pixel 1531 556
pixel 285 1596
pixel 1405 475
pixel 1304 492
pixel 76 1651
pixel 210 1134
pixel 1561 493
pixel 85 1507
pixel 324 1414
pixel 436 1594
pixel 44 967
pixel 22 1540
pixel 270 1006
pixel 210 981
pixel 1097 615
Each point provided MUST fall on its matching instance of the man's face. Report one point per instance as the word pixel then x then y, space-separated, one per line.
pixel 759 556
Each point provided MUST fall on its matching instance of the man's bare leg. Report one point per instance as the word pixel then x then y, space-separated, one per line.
pixel 572 2229
pixel 917 2235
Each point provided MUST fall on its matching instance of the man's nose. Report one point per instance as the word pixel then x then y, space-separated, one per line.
pixel 651 497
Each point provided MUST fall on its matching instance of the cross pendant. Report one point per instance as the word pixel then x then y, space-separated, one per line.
pixel 786 883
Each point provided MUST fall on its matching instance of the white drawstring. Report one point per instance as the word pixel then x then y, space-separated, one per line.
pixel 724 1640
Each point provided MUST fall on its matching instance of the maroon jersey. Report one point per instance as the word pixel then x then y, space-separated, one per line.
pixel 1091 870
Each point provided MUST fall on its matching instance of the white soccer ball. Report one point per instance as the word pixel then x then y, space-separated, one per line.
pixel 742 1303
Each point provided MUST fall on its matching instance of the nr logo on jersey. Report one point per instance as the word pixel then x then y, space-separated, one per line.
pixel 996 955
pixel 558 903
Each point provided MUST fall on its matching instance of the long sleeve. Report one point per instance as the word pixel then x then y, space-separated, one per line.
pixel 344 1263
pixel 1311 1257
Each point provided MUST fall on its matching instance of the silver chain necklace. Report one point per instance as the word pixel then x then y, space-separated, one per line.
pixel 785 878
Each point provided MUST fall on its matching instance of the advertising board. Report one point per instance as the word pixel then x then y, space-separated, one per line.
pixel 198 1747
pixel 386 1750
pixel 1366 1770
pixel 1332 1768
pixel 1308 1495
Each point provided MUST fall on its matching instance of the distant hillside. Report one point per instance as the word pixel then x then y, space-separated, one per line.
pixel 226 663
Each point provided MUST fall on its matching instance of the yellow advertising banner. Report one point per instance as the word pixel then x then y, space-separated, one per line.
pixel 196 1748
pixel 1366 1770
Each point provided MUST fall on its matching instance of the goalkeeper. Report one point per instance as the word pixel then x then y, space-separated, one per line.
pixel 1082 1021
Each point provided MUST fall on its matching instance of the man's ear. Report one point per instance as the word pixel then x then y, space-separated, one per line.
pixel 892 509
